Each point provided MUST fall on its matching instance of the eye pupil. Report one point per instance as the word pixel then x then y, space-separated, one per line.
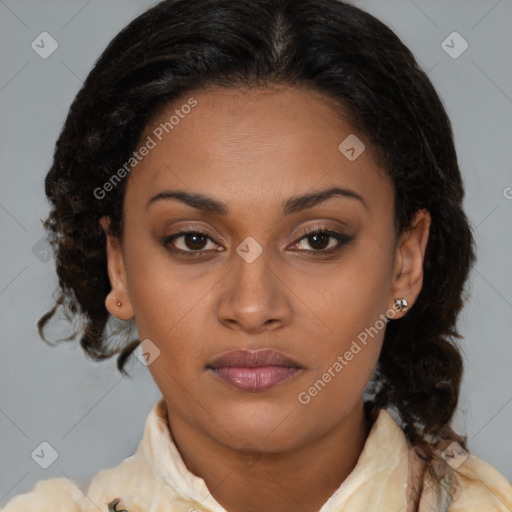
pixel 324 237
pixel 197 239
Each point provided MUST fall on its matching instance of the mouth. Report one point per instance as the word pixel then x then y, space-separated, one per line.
pixel 254 370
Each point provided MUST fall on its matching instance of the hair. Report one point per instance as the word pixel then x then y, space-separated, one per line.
pixel 324 46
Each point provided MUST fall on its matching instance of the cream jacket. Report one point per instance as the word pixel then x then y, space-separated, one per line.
pixel 155 479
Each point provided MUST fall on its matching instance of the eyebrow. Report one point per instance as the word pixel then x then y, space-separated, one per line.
pixel 293 205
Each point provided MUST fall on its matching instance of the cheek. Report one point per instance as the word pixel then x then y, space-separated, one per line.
pixel 334 394
pixel 157 294
pixel 345 366
pixel 345 316
pixel 170 309
pixel 345 298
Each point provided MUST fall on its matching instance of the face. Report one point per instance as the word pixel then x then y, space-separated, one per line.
pixel 263 265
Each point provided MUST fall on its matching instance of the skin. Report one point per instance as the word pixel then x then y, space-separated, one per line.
pixel 254 150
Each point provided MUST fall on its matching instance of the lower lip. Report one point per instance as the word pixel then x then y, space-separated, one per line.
pixel 254 379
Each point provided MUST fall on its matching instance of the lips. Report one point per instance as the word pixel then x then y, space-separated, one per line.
pixel 252 358
pixel 254 370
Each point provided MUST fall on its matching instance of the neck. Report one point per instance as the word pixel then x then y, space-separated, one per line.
pixel 303 478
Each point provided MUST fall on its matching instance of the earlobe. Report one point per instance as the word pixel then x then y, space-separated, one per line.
pixel 410 254
pixel 117 300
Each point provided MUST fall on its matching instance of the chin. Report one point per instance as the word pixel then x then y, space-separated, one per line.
pixel 273 429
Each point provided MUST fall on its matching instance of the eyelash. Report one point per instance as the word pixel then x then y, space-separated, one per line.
pixel 307 233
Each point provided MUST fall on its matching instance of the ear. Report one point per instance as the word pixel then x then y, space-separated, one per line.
pixel 117 301
pixel 408 262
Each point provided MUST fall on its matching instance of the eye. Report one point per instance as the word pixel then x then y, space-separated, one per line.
pixel 194 242
pixel 323 241
pixel 190 241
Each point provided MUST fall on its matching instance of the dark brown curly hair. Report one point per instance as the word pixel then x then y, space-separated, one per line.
pixel 326 46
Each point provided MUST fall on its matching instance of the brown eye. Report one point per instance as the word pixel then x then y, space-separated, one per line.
pixel 194 241
pixel 322 241
pixel 190 242
pixel 319 241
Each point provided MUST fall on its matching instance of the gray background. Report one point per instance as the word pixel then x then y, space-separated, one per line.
pixel 94 417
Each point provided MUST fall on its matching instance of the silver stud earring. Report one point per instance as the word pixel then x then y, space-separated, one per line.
pixel 401 304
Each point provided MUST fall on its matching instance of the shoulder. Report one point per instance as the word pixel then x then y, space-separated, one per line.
pixel 462 483
pixel 129 485
pixel 103 488
pixel 61 494
pixel 49 495
pixel 479 486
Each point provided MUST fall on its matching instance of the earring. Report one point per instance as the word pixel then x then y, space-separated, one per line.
pixel 119 303
pixel 401 304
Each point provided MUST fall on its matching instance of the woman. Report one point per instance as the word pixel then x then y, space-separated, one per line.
pixel 269 190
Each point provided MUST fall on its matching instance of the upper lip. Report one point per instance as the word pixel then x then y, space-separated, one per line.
pixel 253 358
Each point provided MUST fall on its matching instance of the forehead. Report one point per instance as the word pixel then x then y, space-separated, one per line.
pixel 245 144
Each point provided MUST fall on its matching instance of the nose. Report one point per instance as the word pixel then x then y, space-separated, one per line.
pixel 254 296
